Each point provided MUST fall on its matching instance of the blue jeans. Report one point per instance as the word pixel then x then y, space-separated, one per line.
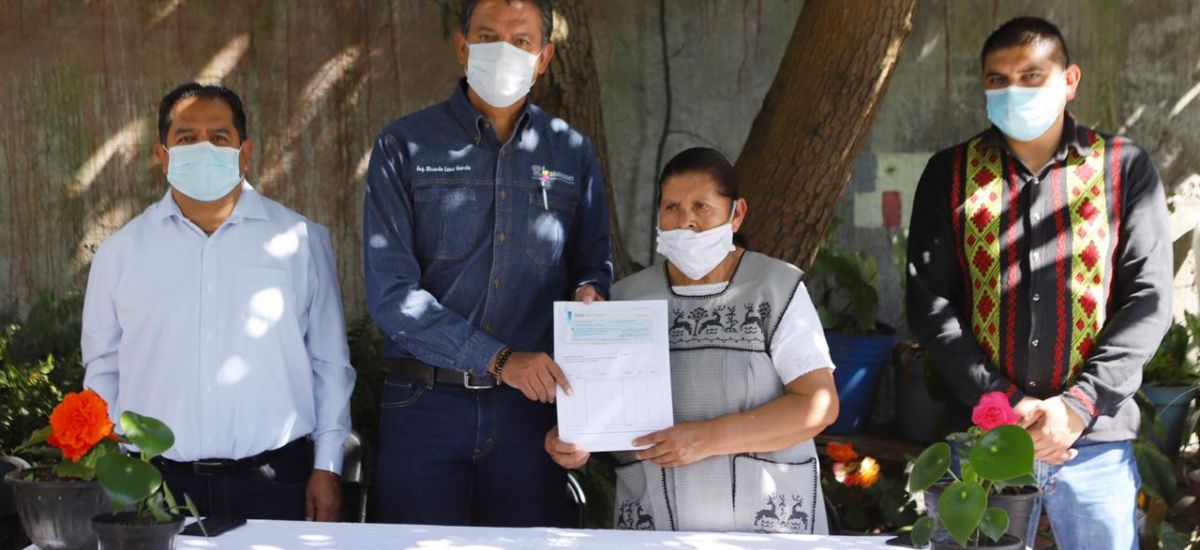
pixel 1091 500
pixel 455 456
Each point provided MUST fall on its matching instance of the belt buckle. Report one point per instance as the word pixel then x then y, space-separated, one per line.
pixel 203 467
pixel 468 385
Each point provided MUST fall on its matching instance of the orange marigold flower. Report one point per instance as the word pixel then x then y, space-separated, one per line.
pixel 841 452
pixel 868 472
pixel 78 423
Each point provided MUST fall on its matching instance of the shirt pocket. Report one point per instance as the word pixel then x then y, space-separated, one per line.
pixel 550 217
pixel 448 222
pixel 775 497
pixel 641 502
pixel 263 298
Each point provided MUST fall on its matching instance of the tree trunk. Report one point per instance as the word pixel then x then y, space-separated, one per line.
pixel 570 89
pixel 804 142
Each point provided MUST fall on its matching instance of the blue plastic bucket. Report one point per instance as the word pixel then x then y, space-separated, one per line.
pixel 1171 404
pixel 859 361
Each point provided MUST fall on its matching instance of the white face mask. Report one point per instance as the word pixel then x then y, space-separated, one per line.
pixel 696 254
pixel 204 171
pixel 500 73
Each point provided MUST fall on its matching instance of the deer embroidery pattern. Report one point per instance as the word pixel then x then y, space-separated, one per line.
pixel 777 517
pixel 722 323
pixel 633 517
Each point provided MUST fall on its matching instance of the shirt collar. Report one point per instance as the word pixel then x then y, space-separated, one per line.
pixel 1074 136
pixel 473 121
pixel 250 205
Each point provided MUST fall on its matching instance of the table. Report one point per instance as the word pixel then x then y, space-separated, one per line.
pixel 289 535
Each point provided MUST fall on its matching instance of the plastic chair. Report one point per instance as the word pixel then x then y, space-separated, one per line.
pixel 577 500
pixel 356 474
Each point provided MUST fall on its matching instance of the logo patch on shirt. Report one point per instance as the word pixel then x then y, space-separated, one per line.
pixel 443 169
pixel 544 175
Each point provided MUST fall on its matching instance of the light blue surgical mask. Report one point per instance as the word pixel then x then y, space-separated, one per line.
pixel 204 171
pixel 1024 114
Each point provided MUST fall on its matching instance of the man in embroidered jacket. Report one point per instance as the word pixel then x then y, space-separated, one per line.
pixel 1041 267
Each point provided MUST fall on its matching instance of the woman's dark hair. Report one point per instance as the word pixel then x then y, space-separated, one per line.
pixel 709 161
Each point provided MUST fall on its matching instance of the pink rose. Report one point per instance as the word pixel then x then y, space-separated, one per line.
pixel 993 410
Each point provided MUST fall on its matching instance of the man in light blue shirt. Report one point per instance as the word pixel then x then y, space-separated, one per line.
pixel 218 311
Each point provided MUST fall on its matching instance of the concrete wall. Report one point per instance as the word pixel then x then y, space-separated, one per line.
pixel 81 81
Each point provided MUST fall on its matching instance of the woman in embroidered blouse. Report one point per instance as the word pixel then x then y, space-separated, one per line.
pixel 751 375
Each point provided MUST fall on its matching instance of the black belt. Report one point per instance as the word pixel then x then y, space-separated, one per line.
pixel 216 466
pixel 411 370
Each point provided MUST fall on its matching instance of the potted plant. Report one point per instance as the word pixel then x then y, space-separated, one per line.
pixel 57 497
pixel 859 344
pixel 146 514
pixel 921 394
pixel 1169 381
pixel 866 502
pixel 983 504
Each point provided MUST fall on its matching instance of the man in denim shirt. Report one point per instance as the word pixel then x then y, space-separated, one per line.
pixel 480 213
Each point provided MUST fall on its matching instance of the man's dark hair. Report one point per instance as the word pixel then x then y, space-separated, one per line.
pixel 204 91
pixel 468 8
pixel 1023 31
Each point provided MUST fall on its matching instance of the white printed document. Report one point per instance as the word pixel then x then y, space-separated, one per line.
pixel 616 355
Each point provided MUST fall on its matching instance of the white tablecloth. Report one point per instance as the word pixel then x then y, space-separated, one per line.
pixel 286 535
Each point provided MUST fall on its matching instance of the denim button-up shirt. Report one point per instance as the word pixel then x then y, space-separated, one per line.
pixel 468 241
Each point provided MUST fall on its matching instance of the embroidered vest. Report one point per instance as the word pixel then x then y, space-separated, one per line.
pixel 986 229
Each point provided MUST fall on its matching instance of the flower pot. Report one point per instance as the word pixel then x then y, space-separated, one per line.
pixel 118 532
pixel 1019 507
pixel 859 361
pixel 1171 404
pixel 921 420
pixel 1007 542
pixel 57 514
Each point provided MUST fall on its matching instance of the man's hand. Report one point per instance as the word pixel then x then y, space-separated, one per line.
pixel 323 496
pixel 567 455
pixel 536 375
pixel 679 445
pixel 1026 408
pixel 587 294
pixel 1054 427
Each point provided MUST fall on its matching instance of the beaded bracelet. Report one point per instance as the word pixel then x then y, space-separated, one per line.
pixel 501 359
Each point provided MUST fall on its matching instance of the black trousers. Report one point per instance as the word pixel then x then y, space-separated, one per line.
pixel 272 491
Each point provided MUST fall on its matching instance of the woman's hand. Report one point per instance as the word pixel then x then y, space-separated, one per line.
pixel 567 455
pixel 678 445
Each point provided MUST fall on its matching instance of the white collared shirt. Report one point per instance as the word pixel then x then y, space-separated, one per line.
pixel 236 340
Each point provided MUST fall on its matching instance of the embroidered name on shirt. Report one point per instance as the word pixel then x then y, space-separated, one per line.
pixel 544 175
pixel 442 169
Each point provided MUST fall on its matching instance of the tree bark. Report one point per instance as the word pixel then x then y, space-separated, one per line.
pixel 570 90
pixel 804 142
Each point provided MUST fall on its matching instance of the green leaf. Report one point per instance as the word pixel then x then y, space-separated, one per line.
pixel 156 505
pixel 931 465
pixel 922 531
pixel 1156 470
pixel 38 437
pixel 127 480
pixel 1003 453
pixel 1020 481
pixel 1170 539
pixel 77 470
pixel 994 523
pixel 150 435
pixel 195 513
pixel 960 508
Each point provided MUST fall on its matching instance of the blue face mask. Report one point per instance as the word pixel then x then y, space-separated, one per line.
pixel 1024 114
pixel 204 171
